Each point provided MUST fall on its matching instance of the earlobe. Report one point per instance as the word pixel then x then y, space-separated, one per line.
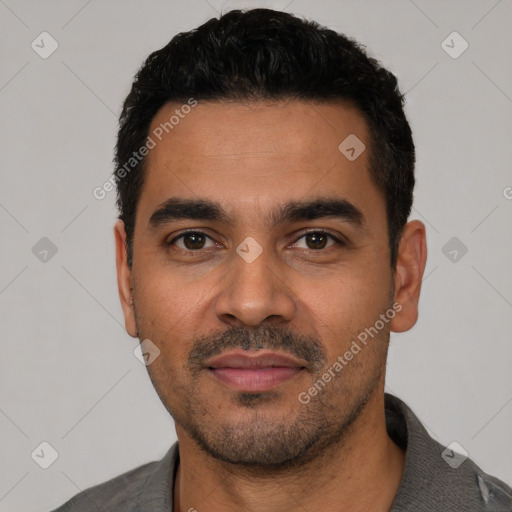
pixel 410 266
pixel 124 284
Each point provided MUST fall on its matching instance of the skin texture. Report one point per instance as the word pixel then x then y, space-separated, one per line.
pixel 303 296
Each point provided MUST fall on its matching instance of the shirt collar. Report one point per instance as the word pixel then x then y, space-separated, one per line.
pixel 158 490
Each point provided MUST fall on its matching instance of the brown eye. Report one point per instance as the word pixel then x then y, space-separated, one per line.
pixel 318 240
pixel 191 240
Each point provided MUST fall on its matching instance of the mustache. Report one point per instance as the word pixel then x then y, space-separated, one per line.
pixel 265 337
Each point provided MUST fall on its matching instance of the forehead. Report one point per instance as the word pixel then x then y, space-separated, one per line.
pixel 252 156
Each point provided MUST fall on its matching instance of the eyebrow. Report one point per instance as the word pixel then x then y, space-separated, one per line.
pixel 206 210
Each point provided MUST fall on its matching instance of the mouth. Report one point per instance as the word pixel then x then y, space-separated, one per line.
pixel 254 373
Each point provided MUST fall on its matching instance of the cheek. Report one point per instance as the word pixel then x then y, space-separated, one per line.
pixel 167 315
pixel 347 303
pixel 163 300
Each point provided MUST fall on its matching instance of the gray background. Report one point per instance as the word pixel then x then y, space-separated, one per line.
pixel 68 373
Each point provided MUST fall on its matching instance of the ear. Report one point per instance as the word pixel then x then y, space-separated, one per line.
pixel 124 279
pixel 411 260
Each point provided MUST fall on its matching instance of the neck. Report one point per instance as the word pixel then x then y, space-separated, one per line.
pixel 338 480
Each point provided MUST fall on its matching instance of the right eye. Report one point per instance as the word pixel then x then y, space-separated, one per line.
pixel 192 241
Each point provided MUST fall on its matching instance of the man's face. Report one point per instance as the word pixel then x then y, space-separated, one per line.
pixel 255 282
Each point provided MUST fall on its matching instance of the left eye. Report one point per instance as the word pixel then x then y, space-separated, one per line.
pixel 318 239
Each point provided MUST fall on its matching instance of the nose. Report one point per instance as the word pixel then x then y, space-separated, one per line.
pixel 253 292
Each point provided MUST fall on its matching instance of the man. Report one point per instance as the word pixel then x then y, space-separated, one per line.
pixel 265 174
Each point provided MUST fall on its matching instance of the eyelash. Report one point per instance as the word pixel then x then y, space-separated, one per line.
pixel 195 232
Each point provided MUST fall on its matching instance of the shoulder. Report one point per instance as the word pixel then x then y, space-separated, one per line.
pixel 129 491
pixel 121 490
pixel 438 477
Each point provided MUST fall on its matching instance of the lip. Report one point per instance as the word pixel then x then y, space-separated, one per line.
pixel 259 372
pixel 262 359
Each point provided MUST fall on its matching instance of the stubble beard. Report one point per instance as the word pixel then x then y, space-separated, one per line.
pixel 259 444
pixel 262 445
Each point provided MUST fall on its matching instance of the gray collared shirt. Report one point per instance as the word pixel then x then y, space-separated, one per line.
pixel 432 481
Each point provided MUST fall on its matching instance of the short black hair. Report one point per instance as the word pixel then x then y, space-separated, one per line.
pixel 263 54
